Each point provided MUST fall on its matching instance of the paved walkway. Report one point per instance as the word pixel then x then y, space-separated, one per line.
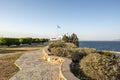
pixel 33 67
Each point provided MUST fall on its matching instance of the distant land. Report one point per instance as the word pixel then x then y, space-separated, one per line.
pixel 117 40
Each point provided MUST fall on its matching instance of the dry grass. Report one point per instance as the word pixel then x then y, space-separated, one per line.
pixel 8 55
pixel 7 66
pixel 14 49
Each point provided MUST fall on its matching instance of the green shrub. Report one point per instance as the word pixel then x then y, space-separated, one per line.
pixel 35 40
pixel 18 41
pixel 56 44
pixel 2 41
pixel 69 50
pixel 77 56
pixel 86 50
pixel 59 52
pixel 106 53
pixel 70 45
pixel 73 39
pixel 73 54
pixel 25 41
pixel 61 44
pixel 66 38
pixel 42 40
pixel 9 41
pixel 100 67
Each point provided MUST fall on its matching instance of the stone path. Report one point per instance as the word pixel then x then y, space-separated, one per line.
pixel 65 69
pixel 33 67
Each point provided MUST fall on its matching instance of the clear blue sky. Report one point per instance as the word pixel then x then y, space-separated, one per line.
pixel 89 19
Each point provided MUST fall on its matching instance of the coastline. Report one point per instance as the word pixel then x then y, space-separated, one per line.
pixel 116 52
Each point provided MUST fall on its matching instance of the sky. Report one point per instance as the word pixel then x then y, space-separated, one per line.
pixel 89 19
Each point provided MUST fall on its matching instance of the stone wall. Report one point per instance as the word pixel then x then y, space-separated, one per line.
pixel 64 69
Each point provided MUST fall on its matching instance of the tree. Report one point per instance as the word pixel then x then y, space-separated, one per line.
pixel 36 40
pixel 25 41
pixel 65 38
pixel 74 39
pixel 2 41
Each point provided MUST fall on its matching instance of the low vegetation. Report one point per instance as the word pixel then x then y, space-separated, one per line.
pixel 18 41
pixel 23 48
pixel 8 55
pixel 100 67
pixel 107 53
pixel 7 66
pixel 56 44
pixel 88 63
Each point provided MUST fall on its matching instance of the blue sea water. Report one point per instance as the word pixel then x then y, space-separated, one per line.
pixel 101 45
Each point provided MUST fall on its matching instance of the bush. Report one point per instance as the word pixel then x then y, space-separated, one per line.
pixel 87 50
pixel 77 56
pixel 100 67
pixel 2 41
pixel 73 54
pixel 70 45
pixel 36 40
pixel 44 40
pixel 9 41
pixel 107 53
pixel 63 52
pixel 25 41
pixel 18 41
pixel 56 44
pixel 69 50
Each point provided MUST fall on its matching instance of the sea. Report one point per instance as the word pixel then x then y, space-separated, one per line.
pixel 102 45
